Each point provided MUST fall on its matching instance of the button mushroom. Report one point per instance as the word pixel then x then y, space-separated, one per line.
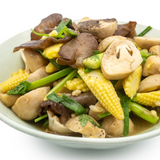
pixel 34 60
pixel 150 83
pixel 26 106
pixel 147 42
pixel 120 59
pixel 85 125
pixel 115 127
pixel 101 28
pixel 104 44
pixel 155 49
pixel 56 125
pixel 95 110
pixel 151 66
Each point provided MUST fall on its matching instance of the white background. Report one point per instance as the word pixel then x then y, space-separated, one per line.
pixel 17 16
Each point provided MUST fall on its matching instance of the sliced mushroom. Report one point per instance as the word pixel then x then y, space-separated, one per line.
pixel 89 130
pixel 56 125
pixel 151 66
pixel 114 127
pixel 34 59
pixel 147 42
pixel 127 30
pixel 95 110
pixel 150 83
pixel 8 100
pixel 75 51
pixel 104 44
pixel 120 59
pixel 101 28
pixel 26 106
pixel 38 74
pixel 41 43
pixel 155 49
pixel 27 70
pixel 49 22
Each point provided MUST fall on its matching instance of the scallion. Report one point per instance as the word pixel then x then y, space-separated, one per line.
pixel 145 31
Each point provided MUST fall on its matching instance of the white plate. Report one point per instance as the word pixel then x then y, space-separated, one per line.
pixel 11 62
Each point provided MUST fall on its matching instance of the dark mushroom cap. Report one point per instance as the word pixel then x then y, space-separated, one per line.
pixel 49 22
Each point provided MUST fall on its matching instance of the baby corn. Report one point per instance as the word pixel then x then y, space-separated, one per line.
pixel 77 84
pixel 13 82
pixel 103 91
pixel 50 68
pixel 52 51
pixel 149 99
pixel 131 83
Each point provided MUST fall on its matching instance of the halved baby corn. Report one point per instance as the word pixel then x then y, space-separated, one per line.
pixel 149 99
pixel 131 83
pixel 103 91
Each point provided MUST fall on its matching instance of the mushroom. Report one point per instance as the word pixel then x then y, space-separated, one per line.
pixel 151 66
pixel 75 51
pixel 147 42
pixel 8 100
pixel 95 110
pixel 38 74
pixel 87 129
pixel 26 106
pixel 150 83
pixel 127 30
pixel 56 125
pixel 120 59
pixel 34 59
pixel 104 44
pixel 101 28
pixel 49 22
pixel 114 127
pixel 155 49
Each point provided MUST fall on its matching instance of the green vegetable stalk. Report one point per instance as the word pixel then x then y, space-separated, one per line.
pixel 67 102
pixel 145 31
pixel 125 104
pixel 93 62
pixel 62 83
pixel 145 55
pixel 61 28
pixel 144 113
pixel 26 86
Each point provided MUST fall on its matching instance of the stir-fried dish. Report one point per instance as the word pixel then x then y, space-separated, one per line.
pixel 94 78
